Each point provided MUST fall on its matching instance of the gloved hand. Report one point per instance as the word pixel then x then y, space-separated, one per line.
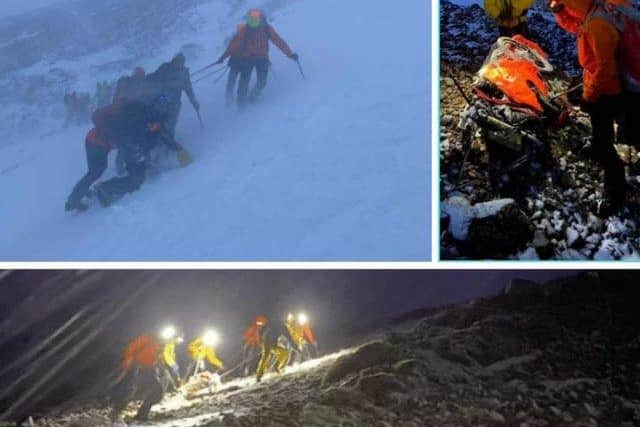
pixel 294 56
pixel 184 157
pixel 196 105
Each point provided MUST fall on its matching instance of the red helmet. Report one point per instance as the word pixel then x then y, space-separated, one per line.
pixel 255 18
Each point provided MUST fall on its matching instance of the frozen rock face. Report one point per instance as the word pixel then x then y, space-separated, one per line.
pixel 492 229
pixel 565 355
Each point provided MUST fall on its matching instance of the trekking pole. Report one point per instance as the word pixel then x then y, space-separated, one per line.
pixel 300 68
pixel 458 86
pixel 567 92
pixel 466 135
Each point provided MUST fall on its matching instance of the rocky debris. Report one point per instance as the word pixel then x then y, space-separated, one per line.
pixel 373 353
pixel 467 33
pixel 492 229
pixel 559 354
pixel 559 196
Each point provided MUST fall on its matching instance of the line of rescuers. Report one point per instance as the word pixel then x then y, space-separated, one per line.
pixel 150 366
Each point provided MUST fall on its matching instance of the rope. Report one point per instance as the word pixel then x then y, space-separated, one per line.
pixel 239 365
pixel 213 73
pixel 205 68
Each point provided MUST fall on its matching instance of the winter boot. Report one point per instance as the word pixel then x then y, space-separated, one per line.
pixel 143 412
pixel 104 197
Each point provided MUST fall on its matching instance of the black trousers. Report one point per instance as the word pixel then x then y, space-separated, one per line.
pixel 604 113
pixel 172 120
pixel 141 384
pixel 97 160
pixel 246 66
pixel 629 124
pixel 232 78
pixel 134 156
pixel 249 358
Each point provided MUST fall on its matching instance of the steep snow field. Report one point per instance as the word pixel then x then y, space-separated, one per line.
pixel 333 167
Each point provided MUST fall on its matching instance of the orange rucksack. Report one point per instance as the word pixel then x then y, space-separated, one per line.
pixel 626 19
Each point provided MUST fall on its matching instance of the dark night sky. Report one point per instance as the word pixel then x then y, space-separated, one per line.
pixel 229 299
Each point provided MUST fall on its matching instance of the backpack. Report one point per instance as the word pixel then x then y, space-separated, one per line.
pixel 626 19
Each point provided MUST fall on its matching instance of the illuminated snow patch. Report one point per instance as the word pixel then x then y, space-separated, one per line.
pixel 178 401
pixel 196 421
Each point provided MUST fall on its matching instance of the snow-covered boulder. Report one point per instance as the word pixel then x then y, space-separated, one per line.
pixel 493 229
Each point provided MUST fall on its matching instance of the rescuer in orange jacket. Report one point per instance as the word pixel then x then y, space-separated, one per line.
pixel 134 127
pixel 302 336
pixel 140 376
pixel 603 98
pixel 251 347
pixel 249 49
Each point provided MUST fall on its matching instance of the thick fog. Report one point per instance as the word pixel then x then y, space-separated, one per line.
pixel 16 7
pixel 332 166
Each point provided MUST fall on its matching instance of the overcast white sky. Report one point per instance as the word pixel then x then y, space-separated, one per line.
pixel 14 7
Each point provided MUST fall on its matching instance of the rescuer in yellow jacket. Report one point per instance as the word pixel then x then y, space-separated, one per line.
pixel 302 336
pixel 201 350
pixel 275 342
pixel 510 15
pixel 168 358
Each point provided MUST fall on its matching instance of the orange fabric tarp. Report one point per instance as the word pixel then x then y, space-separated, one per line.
pixel 514 77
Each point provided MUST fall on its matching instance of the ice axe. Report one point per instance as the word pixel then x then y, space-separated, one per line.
pixel 300 68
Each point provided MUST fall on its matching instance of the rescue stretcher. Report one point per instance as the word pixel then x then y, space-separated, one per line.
pixel 517 97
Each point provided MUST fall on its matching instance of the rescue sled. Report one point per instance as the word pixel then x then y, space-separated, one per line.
pixel 516 98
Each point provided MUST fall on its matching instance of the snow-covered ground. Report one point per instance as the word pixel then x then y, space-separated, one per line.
pixel 334 167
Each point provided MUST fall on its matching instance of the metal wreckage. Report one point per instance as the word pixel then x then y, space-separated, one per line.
pixel 517 98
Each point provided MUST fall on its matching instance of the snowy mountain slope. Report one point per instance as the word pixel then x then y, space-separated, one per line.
pixel 47 316
pixel 329 168
pixel 506 360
